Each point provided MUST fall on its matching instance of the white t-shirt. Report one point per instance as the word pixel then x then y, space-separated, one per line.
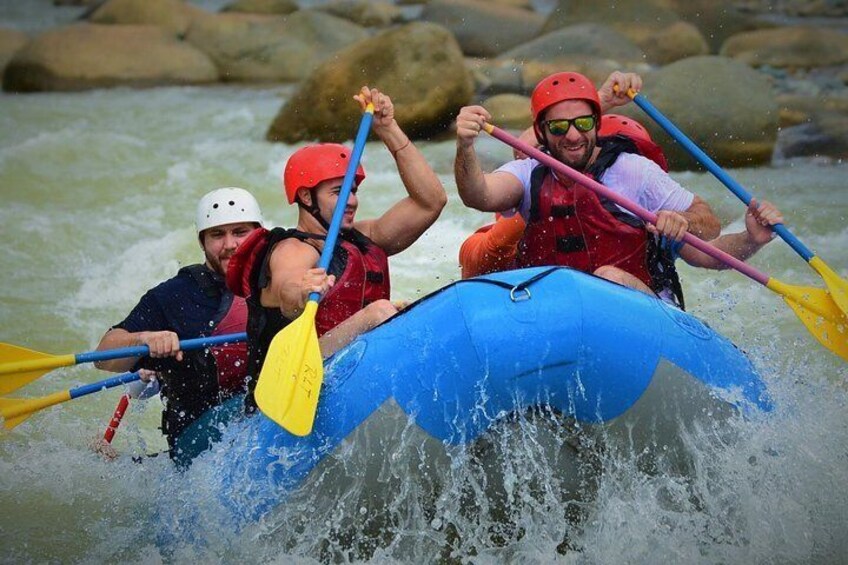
pixel 636 178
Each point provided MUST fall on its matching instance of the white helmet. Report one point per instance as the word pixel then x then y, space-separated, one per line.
pixel 229 205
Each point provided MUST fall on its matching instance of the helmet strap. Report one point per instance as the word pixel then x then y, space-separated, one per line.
pixel 314 210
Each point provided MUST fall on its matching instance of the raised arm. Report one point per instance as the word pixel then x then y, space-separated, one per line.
pixel 404 222
pixel 488 193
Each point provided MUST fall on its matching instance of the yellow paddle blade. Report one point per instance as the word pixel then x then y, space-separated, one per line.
pixel 16 410
pixel 290 381
pixel 819 313
pixel 20 366
pixel 837 286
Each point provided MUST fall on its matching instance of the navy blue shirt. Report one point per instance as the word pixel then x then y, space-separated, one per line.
pixel 178 305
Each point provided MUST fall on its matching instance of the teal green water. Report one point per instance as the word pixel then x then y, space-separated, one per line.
pixel 98 192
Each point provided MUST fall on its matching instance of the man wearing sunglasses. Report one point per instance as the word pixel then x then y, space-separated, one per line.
pixel 567 224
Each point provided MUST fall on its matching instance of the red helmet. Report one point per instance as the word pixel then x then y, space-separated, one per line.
pixel 614 124
pixel 313 164
pixel 560 87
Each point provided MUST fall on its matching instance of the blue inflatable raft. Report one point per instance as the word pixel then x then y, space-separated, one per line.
pixel 480 351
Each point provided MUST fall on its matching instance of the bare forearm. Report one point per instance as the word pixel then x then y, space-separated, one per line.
pixel 470 180
pixel 419 179
pixel 703 223
pixel 114 339
pixel 739 245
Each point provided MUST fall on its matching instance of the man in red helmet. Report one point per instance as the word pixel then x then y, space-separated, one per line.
pixel 567 224
pixel 355 292
pixel 493 247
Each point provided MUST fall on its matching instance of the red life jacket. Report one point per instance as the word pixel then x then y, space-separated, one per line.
pixel 570 226
pixel 362 277
pixel 231 358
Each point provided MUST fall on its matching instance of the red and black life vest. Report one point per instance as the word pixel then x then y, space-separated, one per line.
pixel 571 226
pixel 362 277
pixel 206 377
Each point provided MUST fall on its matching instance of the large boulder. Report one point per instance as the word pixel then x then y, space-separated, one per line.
pixel 364 12
pixel 638 18
pixel 248 47
pixel 825 135
pixel 717 19
pixel 267 7
pixel 789 47
pixel 520 76
pixel 85 56
pixel 672 43
pixel 511 111
pixel 651 24
pixel 173 15
pixel 725 107
pixel 483 29
pixel 583 40
pixel 11 41
pixel 419 65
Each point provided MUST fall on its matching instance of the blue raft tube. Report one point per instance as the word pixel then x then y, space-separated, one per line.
pixel 611 361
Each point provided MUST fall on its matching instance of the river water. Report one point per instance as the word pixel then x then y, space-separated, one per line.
pixel 98 193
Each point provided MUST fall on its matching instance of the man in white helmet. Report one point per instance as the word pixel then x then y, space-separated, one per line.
pixel 194 303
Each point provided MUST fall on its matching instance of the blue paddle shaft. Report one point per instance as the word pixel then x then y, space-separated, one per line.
pixel 717 171
pixel 121 379
pixel 344 194
pixel 142 350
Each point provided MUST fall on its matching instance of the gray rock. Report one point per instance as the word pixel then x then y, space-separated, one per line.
pixel 510 111
pixel 248 47
pixel 85 56
pixel 725 107
pixel 481 28
pixel 11 41
pixel 173 15
pixel 586 40
pixel 267 7
pixel 419 65
pixel 789 47
pixel 364 12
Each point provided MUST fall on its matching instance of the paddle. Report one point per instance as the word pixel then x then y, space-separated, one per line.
pixel 290 380
pixel 813 306
pixel 20 366
pixel 16 410
pixel 838 286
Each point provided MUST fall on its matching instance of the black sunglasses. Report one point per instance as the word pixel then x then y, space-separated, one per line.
pixel 581 124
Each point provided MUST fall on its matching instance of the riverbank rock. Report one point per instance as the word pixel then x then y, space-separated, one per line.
pixel 248 47
pixel 789 47
pixel 267 7
pixel 717 19
pixel 11 41
pixel 86 56
pixel 677 41
pixel 364 12
pixel 583 40
pixel 824 136
pixel 724 106
pixel 420 66
pixel 483 29
pixel 510 111
pixel 173 15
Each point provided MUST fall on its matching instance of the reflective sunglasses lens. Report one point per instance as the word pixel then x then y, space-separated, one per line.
pixel 559 127
pixel 584 123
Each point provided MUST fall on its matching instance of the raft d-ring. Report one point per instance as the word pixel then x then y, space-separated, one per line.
pixel 520 297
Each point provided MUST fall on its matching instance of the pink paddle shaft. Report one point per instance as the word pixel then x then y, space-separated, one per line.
pixel 632 207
